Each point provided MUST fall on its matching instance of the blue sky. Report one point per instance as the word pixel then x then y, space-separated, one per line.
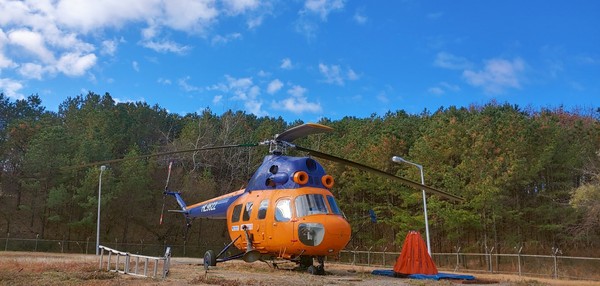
pixel 303 59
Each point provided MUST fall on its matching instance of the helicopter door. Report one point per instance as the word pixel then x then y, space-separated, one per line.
pixel 283 234
pixel 261 231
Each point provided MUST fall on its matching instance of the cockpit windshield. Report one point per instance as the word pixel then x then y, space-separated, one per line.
pixel 310 204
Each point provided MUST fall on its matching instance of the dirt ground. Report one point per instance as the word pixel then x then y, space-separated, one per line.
pixel 27 268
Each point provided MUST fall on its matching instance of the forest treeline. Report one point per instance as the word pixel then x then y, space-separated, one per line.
pixel 529 177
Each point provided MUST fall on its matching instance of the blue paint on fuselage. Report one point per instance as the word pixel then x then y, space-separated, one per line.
pixel 215 210
pixel 277 166
pixel 276 172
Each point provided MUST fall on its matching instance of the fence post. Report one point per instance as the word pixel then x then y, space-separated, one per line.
pixel 354 256
pixel 37 236
pixel 369 256
pixel 555 251
pixel 457 258
pixel 519 259
pixel 384 256
pixel 101 249
pixel 491 260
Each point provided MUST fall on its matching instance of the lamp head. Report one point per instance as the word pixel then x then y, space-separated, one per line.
pixel 397 159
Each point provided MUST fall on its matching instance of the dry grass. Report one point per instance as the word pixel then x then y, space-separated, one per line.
pixel 26 269
pixel 22 268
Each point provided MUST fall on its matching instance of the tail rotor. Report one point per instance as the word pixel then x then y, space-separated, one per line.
pixel 162 211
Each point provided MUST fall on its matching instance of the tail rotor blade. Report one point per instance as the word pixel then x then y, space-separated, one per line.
pixel 162 211
pixel 381 173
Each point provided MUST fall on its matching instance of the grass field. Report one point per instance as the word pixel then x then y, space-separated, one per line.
pixel 30 268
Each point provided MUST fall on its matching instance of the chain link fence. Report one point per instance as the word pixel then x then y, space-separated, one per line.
pixel 553 265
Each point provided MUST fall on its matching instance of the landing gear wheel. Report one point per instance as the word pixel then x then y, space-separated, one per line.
pixel 305 262
pixel 321 266
pixel 312 270
pixel 209 259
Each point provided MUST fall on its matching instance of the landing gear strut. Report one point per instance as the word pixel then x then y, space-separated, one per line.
pixel 306 262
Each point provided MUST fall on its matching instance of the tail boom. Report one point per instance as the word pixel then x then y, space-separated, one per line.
pixel 215 208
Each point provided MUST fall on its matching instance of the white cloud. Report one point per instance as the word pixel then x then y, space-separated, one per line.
pixel 166 47
pixel 323 7
pixel 11 88
pixel 449 61
pixel 274 86
pixel 334 74
pixel 442 88
pixel 255 107
pixel 352 75
pixel 382 97
pixel 286 64
pixel 75 64
pixel 31 70
pixel 183 84
pixel 242 89
pixel 262 73
pixel 222 40
pixel 86 16
pixel 497 75
pixel 109 47
pixel 186 15
pixel 240 6
pixel 217 99
pixel 135 66
pixel 297 91
pixel 164 81
pixel 359 18
pixel 436 90
pixel 33 42
pixel 297 103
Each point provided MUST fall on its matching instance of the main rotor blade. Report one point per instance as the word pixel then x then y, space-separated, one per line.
pixel 302 131
pixel 381 173
pixel 158 154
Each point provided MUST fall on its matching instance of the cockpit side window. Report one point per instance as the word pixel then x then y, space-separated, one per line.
pixel 235 216
pixel 283 210
pixel 333 205
pixel 262 209
pixel 247 211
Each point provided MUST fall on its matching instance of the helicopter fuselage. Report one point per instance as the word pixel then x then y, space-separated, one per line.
pixel 289 222
pixel 287 210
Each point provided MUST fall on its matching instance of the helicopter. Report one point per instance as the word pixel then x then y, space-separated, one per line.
pixel 287 210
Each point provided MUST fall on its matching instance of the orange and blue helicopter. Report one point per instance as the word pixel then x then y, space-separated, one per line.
pixel 287 210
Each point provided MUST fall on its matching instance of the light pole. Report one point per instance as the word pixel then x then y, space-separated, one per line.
pixel 397 159
pixel 102 168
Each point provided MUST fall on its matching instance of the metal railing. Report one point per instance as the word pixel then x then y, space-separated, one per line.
pixel 124 266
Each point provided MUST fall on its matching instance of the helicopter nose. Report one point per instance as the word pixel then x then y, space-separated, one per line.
pixel 331 232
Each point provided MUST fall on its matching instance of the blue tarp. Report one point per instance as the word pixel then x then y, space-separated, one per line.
pixel 438 276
